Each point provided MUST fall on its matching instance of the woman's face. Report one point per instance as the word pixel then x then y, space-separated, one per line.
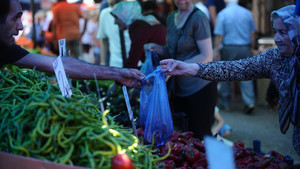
pixel 281 37
pixel 183 5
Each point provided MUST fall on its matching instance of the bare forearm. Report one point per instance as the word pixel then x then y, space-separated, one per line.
pixel 78 69
pixel 206 54
pixel 74 68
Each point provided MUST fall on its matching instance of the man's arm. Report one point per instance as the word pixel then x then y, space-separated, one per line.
pixel 78 69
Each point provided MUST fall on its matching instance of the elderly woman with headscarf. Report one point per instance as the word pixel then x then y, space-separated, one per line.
pixel 280 65
pixel 142 30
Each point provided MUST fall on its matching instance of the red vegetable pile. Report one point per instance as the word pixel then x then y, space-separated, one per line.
pixel 189 152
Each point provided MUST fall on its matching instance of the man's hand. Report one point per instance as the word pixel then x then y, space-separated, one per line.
pixel 131 77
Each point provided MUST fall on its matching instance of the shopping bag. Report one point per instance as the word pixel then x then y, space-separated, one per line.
pixel 155 113
pixel 151 62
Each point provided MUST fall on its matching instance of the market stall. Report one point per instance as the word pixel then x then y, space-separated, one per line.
pixel 40 127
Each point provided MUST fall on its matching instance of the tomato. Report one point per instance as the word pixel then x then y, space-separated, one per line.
pixel 121 161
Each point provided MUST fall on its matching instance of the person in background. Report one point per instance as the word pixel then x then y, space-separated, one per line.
pixel 48 33
pixel 281 65
pixel 200 5
pixel 189 40
pixel 234 31
pixel 104 4
pixel 149 7
pixel 220 127
pixel 109 37
pixel 88 39
pixel 39 21
pixel 66 26
pixel 214 7
pixel 10 53
pixel 142 30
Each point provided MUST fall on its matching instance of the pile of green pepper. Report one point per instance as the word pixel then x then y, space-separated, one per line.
pixel 37 121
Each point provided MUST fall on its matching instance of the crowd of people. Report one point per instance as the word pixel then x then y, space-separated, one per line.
pixel 212 40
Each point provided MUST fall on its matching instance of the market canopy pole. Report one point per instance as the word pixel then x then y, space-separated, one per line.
pixel 33 23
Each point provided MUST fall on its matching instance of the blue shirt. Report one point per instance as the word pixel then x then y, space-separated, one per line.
pixel 235 23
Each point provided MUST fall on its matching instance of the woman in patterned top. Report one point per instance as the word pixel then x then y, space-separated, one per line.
pixel 280 65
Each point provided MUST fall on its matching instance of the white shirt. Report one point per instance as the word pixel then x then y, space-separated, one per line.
pixel 203 8
pixel 88 35
pixel 108 29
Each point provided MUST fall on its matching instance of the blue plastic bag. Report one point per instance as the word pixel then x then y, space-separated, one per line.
pixel 151 62
pixel 155 113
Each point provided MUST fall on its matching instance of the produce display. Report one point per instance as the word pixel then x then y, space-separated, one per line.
pixel 189 152
pixel 113 99
pixel 37 121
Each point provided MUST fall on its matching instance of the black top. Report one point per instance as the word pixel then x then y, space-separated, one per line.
pixel 11 54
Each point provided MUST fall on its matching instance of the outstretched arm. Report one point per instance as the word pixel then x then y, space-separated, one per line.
pixel 78 69
pixel 244 69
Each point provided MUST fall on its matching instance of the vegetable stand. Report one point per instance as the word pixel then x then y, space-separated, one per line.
pixel 39 127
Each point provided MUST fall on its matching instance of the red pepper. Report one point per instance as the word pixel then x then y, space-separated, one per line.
pixel 175 136
pixel 191 154
pixel 197 144
pixel 239 144
pixel 168 164
pixel 177 159
pixel 262 164
pixel 184 141
pixel 185 165
pixel 245 161
pixel 239 152
pixel 276 155
pixel 187 134
pixel 276 166
pixel 198 167
pixel 177 148
pixel 121 161
pixel 200 163
pixel 163 150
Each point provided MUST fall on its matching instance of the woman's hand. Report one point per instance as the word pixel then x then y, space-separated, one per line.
pixel 178 68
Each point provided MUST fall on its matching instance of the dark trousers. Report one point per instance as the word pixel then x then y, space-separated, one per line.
pixel 199 108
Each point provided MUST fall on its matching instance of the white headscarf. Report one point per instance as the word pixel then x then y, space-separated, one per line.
pixel 129 11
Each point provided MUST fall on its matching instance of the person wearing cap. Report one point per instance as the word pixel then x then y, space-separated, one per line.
pixel 10 53
pixel 280 65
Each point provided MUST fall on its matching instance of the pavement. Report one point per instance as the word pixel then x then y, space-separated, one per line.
pixel 263 125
